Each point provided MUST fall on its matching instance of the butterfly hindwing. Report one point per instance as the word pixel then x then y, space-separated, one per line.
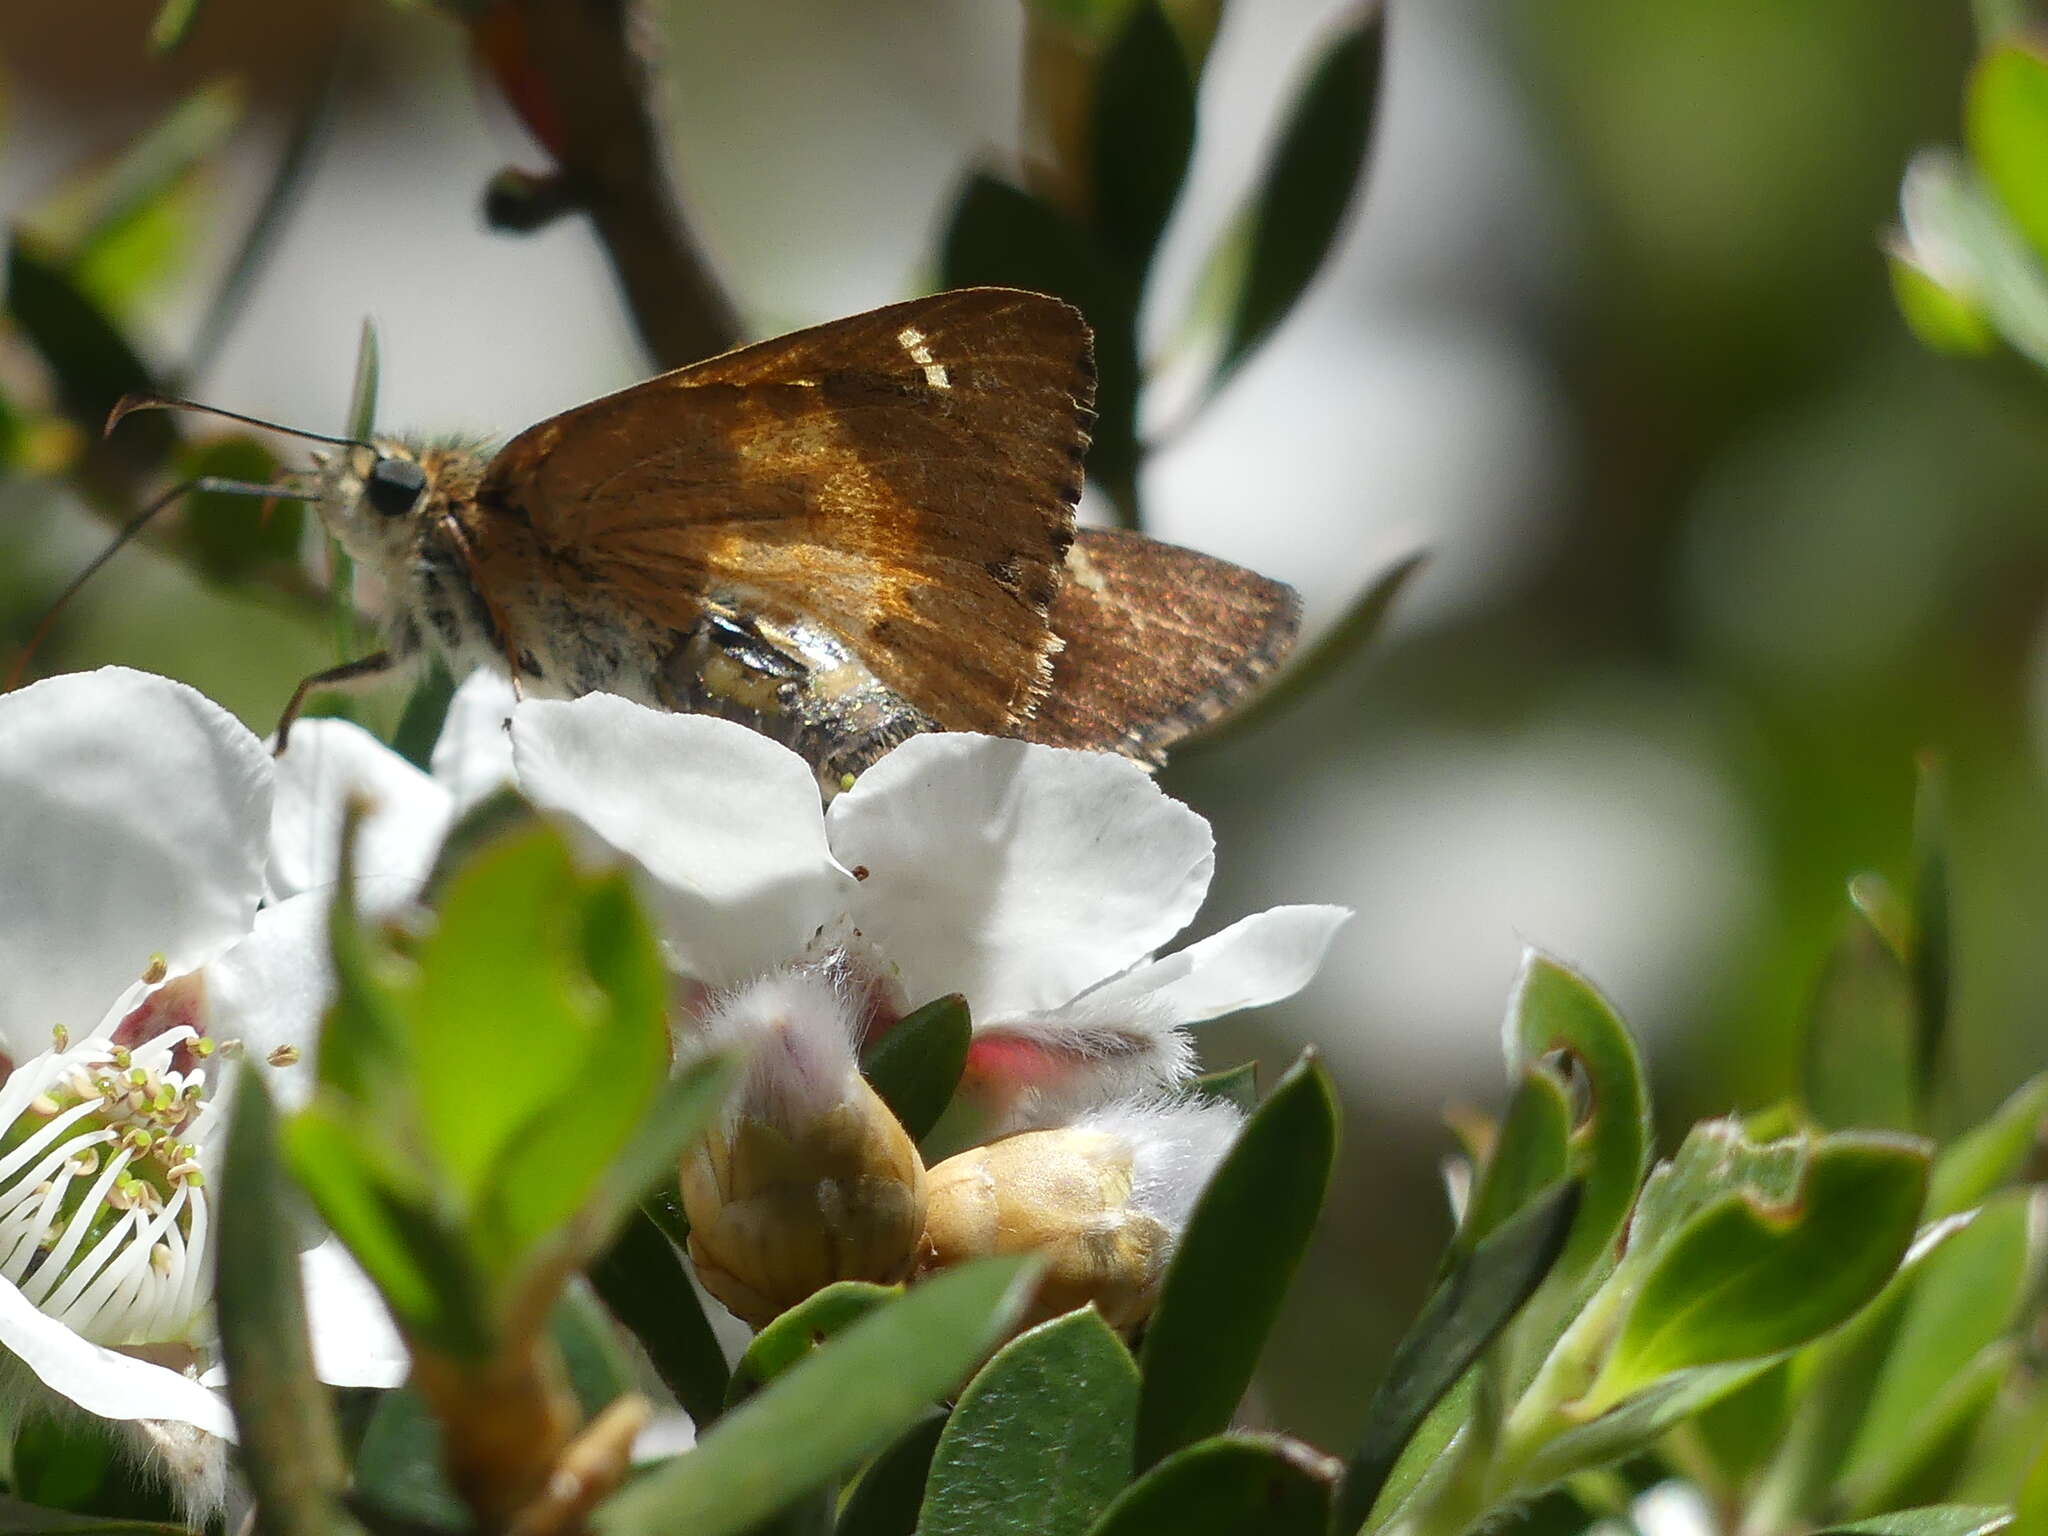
pixel 1159 641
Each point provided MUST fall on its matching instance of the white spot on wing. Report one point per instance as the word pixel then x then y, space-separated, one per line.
pixel 911 339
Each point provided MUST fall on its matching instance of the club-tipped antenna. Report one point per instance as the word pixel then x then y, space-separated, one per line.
pixel 150 402
pixel 135 525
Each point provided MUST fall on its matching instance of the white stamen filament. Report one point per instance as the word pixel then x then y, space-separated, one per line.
pixel 103 1204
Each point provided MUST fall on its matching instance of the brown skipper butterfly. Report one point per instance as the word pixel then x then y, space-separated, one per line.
pixel 840 537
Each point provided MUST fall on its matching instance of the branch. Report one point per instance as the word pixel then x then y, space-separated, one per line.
pixel 590 58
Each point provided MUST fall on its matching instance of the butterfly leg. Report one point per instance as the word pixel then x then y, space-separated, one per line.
pixel 348 674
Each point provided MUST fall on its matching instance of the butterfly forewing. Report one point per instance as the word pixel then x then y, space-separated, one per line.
pixel 905 477
pixel 1159 641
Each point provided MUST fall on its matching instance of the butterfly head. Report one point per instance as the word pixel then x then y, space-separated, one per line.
pixel 376 496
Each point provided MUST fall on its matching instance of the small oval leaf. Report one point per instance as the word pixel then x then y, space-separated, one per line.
pixel 2006 121
pixel 827 1413
pixel 1227 1486
pixel 1464 1314
pixel 1141 137
pixel 917 1064
pixel 792 1336
pixel 890 1492
pixel 1040 1441
pixel 1223 1289
pixel 641 1279
pixel 1745 1277
pixel 1310 182
pixel 1555 1009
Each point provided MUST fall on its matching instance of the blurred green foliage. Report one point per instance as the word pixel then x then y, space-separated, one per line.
pixel 1826 541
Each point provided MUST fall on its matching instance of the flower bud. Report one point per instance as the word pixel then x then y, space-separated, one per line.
pixel 1102 1201
pixel 808 1178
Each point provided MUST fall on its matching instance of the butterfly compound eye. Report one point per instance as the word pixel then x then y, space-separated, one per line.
pixel 394 486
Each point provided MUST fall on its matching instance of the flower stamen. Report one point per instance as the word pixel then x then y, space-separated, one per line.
pixel 103 1216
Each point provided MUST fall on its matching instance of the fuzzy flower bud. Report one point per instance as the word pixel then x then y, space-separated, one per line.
pixel 1102 1201
pixel 808 1178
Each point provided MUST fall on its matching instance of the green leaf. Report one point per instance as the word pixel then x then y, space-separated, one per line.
pixel 1636 1424
pixel 360 1192
pixel 1956 230
pixel 599 1369
pixel 173 22
pixel 2005 120
pixel 1011 239
pixel 1531 1153
pixel 498 982
pixel 1237 1086
pixel 1224 1286
pixel 1227 1486
pixel 1040 1441
pixel 1964 1296
pixel 311 127
pixel 398 1466
pixel 1834 1380
pixel 84 224
pixel 1141 136
pixel 1861 1036
pixel 551 1169
pixel 1930 1520
pixel 681 1109
pixel 1944 320
pixel 32 1520
pixel 2032 1505
pixel 1424 1459
pixel 62 1465
pixel 1309 183
pixel 917 1064
pixel 1932 1463
pixel 1931 937
pixel 363 1044
pixel 291 1450
pixel 1977 1162
pixel 362 394
pixel 1484 1289
pixel 90 360
pixel 426 710
pixel 362 422
pixel 1316 665
pixel 230 535
pixel 792 1336
pixel 501 812
pixel 889 1494
pixel 1748 1277
pixel 825 1415
pixel 1555 1009
pixel 1741 1432
pixel 641 1279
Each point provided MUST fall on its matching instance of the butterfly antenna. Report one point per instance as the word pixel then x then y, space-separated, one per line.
pixel 148 402
pixel 135 525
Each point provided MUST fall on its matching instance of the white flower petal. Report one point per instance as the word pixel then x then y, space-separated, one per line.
pixel 1256 960
pixel 473 754
pixel 104 1381
pixel 270 990
pixel 133 813
pixel 1014 873
pixel 354 1342
pixel 328 762
pixel 727 823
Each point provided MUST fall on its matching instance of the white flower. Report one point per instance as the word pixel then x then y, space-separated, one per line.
pixel 407 811
pixel 1037 882
pixel 134 825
